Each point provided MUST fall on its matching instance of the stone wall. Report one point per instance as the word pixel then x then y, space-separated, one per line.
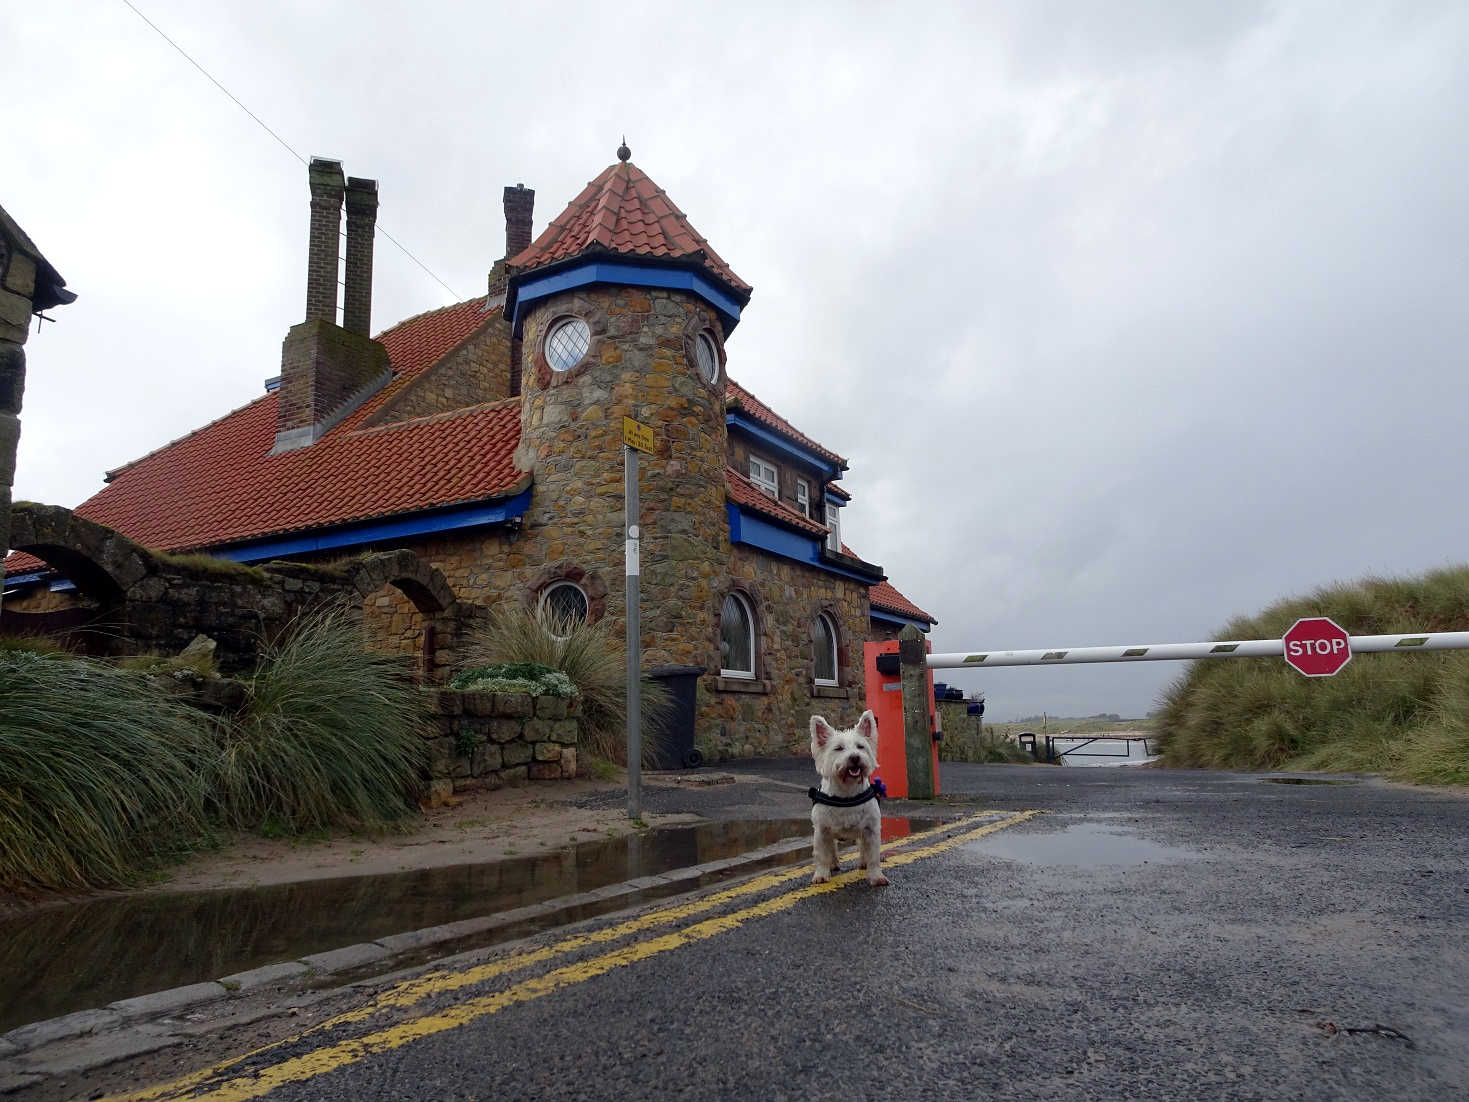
pixel 488 740
pixel 771 713
pixel 477 371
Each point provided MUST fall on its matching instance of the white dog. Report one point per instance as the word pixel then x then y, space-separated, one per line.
pixel 844 808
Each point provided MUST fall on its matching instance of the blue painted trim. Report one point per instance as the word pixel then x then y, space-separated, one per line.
pixel 447 520
pixel 62 585
pixel 786 447
pixel 839 493
pixel 900 621
pixel 585 274
pixel 22 579
pixel 755 531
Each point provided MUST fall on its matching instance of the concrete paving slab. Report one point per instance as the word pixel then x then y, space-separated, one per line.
pixel 260 977
pixel 165 1002
pixel 350 956
pixel 87 1054
pixel 79 1024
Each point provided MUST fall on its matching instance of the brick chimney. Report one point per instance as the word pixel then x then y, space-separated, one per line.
pixel 520 205
pixel 361 223
pixel 328 370
pixel 326 227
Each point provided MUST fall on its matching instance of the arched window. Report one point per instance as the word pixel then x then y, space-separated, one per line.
pixel 824 644
pixel 707 357
pixel 736 638
pixel 563 606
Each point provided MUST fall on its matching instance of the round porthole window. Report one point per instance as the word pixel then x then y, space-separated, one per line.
pixel 567 343
pixel 707 357
pixel 563 607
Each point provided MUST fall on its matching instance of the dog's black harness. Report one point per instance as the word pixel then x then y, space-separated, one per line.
pixel 875 791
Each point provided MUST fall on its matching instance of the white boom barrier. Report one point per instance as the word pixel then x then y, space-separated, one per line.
pixel 1171 652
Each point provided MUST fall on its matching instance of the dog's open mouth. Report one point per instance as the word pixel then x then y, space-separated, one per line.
pixel 852 774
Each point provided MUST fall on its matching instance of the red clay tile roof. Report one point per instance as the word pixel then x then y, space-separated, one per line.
pixel 738 396
pixel 624 212
pixel 220 484
pixel 745 493
pixel 885 597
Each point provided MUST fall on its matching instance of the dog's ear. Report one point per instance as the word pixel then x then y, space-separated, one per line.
pixel 820 732
pixel 867 728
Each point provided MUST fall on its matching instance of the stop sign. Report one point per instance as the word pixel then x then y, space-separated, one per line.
pixel 1317 646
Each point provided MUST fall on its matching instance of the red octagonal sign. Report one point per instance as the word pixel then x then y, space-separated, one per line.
pixel 1317 646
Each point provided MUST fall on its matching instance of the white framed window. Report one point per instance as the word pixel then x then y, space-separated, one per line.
pixel 563 606
pixel 736 638
pixel 567 342
pixel 706 357
pixel 762 474
pixel 824 647
pixel 803 496
pixel 833 528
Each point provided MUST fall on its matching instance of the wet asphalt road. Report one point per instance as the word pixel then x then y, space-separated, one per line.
pixel 1157 935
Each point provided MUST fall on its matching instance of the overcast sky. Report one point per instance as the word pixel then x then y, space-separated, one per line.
pixel 1128 317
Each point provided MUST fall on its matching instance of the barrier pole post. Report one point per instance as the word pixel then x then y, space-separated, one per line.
pixel 917 738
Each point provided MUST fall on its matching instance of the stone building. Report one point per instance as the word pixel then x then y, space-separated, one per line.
pixel 28 285
pixel 487 437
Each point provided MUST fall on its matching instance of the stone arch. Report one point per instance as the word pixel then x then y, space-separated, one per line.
pixel 104 565
pixel 101 563
pixel 425 636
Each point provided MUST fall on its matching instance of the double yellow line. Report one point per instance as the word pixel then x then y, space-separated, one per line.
pixel 298 1068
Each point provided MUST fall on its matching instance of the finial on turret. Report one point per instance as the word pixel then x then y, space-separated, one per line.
pixel 624 154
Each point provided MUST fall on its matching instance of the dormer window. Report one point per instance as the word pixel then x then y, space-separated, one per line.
pixel 803 496
pixel 763 475
pixel 833 528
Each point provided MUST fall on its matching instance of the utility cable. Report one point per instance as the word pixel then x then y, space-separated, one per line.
pixel 284 145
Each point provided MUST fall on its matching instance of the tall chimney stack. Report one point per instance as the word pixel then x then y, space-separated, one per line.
pixel 327 187
pixel 520 203
pixel 328 370
pixel 361 223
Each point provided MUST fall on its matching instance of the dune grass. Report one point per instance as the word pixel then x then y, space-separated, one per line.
pixel 1403 715
pixel 331 735
pixel 593 657
pixel 102 774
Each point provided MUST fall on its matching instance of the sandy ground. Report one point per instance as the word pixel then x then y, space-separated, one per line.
pixel 482 826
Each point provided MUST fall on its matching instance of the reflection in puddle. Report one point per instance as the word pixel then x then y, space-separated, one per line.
pixel 58 959
pixel 1086 845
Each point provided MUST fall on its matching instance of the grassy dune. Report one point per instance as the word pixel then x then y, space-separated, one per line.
pixel 1402 715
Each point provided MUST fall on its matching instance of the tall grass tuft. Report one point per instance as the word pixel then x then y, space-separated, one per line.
pixel 330 736
pixel 593 656
pixel 1405 715
pixel 102 774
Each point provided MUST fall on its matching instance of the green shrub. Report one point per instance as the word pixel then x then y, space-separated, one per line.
pixel 593 657
pixel 514 677
pixel 1406 715
pixel 102 774
pixel 330 735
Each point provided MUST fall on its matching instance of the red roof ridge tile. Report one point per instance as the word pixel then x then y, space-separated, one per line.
pixel 434 310
pixel 430 418
pixel 744 492
pixel 733 391
pixel 108 476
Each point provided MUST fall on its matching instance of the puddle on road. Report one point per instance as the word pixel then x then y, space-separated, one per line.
pixel 81 955
pixel 1086 845
pixel 1305 780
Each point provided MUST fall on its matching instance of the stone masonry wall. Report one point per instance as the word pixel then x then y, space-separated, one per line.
pixel 641 365
pixel 476 372
pixel 484 741
pixel 771 714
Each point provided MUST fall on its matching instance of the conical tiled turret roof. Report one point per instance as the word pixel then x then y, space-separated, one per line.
pixel 624 213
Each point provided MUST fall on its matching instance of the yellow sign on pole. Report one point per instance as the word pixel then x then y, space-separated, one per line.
pixel 637 435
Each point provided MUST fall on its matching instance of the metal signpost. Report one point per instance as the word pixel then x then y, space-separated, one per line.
pixel 636 437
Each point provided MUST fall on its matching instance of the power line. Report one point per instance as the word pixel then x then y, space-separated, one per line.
pixel 284 144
